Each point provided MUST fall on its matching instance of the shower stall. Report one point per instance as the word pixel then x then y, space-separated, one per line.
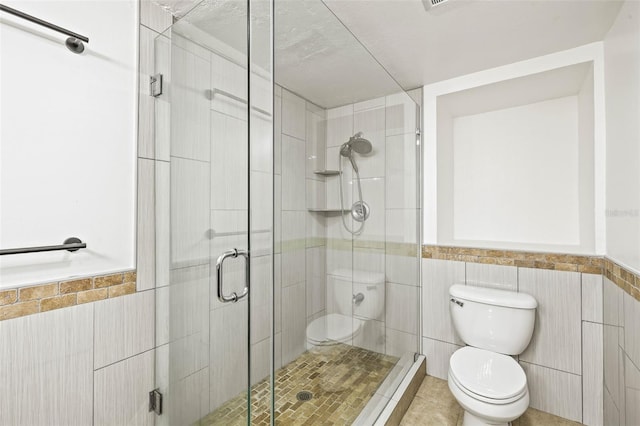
pixel 287 219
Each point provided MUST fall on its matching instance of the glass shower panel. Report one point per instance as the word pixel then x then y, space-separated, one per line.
pixel 213 221
pixel 348 326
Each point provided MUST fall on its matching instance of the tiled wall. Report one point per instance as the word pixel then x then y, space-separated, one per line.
pixel 311 243
pixel 19 302
pixel 621 316
pixel 90 363
pixel 299 259
pixel 563 362
pixel 388 243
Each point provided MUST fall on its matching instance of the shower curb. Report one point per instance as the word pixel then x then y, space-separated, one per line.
pixel 402 397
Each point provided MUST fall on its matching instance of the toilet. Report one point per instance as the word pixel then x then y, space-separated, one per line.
pixel 353 297
pixel 496 324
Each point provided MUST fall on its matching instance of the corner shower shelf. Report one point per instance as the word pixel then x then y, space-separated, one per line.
pixel 327 172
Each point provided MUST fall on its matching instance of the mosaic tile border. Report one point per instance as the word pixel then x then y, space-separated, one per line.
pixel 524 259
pixel 28 300
pixel 623 278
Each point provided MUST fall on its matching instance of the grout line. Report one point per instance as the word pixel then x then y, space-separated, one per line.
pixel 551 368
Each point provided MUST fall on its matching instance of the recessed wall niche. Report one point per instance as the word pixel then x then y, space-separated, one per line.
pixel 515 163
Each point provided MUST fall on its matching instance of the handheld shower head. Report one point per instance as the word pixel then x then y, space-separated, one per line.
pixel 360 210
pixel 355 143
pixel 358 144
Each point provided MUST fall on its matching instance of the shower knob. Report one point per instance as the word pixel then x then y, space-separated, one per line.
pixel 360 211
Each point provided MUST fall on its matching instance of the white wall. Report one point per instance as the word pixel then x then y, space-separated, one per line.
pixel 67 139
pixel 510 167
pixel 571 175
pixel 622 85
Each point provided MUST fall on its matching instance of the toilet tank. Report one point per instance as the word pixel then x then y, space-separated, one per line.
pixel 496 320
pixel 348 283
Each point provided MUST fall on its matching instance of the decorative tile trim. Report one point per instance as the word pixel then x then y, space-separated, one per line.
pixel 623 278
pixel 555 261
pixel 22 301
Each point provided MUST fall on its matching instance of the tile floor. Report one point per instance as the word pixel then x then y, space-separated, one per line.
pixel 434 405
pixel 341 378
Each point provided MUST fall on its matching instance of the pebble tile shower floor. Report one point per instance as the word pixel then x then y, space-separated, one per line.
pixel 341 379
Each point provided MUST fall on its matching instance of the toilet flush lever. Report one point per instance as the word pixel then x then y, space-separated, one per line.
pixel 457 302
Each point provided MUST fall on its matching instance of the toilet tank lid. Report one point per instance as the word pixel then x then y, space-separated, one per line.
pixel 491 296
pixel 364 277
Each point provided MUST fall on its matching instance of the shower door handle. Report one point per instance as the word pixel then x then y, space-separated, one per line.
pixel 234 253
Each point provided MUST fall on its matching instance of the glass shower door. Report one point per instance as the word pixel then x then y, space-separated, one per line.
pixel 213 226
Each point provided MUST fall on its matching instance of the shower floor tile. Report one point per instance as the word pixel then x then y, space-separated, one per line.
pixel 342 379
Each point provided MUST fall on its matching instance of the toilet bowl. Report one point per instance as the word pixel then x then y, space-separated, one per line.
pixel 353 297
pixel 491 387
pixel 486 381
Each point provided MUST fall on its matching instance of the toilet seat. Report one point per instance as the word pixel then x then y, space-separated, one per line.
pixel 333 328
pixel 487 376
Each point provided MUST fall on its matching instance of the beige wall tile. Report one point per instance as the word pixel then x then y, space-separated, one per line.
pixel 76 285
pixel 92 295
pixel 108 280
pixel 19 309
pixel 8 297
pixel 122 289
pixel 38 292
pixel 58 302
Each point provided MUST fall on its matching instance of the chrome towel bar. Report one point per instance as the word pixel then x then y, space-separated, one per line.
pixel 73 43
pixel 70 244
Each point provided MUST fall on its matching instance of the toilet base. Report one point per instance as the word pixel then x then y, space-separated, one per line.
pixel 471 420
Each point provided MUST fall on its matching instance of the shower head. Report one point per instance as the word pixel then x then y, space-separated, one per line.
pixel 356 143
pixel 360 144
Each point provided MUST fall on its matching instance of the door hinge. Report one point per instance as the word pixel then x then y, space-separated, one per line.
pixel 155 401
pixel 155 85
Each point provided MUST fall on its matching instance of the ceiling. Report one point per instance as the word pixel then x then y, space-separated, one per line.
pixel 461 36
pixel 318 57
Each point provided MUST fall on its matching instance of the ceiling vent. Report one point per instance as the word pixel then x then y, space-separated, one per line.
pixel 428 4
pixel 436 6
